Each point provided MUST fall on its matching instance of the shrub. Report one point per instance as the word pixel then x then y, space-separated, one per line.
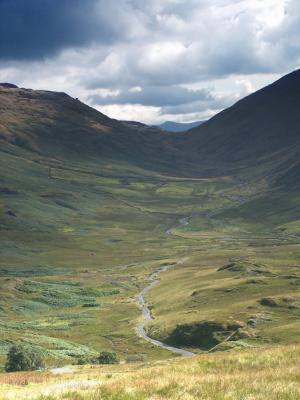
pixel 23 358
pixel 90 305
pixel 106 357
pixel 269 301
pixel 87 360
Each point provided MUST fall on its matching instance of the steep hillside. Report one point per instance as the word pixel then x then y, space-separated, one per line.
pixel 54 124
pixel 260 125
pixel 261 131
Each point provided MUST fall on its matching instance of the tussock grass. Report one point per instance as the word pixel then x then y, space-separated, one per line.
pixel 253 375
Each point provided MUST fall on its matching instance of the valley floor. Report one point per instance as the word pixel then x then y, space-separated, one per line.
pixel 80 244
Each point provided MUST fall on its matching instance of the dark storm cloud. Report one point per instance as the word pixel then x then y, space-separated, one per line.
pixel 32 29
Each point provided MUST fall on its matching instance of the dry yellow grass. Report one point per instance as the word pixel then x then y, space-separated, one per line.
pixel 272 373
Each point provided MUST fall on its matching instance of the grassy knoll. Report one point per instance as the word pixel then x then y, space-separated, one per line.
pixel 272 373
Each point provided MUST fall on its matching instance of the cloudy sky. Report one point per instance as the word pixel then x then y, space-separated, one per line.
pixel 149 60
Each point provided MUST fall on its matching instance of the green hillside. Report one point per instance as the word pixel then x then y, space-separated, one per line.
pixel 90 207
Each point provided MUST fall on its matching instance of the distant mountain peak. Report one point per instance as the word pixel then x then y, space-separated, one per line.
pixel 172 126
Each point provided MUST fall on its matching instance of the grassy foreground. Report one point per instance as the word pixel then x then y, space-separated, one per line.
pixel 272 373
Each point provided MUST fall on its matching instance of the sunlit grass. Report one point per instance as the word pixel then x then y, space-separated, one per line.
pixel 253 375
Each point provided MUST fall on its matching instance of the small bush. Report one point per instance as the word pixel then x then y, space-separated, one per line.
pixel 23 358
pixel 87 360
pixel 106 357
pixel 269 301
pixel 90 305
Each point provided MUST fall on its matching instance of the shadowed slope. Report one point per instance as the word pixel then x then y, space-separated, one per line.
pixel 261 124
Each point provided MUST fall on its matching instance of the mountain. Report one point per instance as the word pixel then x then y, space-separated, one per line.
pixel 262 124
pixel 172 126
pixel 53 124
pixel 41 120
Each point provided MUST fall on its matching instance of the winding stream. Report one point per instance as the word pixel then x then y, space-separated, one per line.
pixel 154 277
pixel 147 315
pixel 154 280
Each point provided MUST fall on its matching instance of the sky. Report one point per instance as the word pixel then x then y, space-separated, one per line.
pixel 149 60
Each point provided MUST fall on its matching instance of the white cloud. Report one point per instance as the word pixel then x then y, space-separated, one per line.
pixel 135 89
pixel 247 86
pixel 131 112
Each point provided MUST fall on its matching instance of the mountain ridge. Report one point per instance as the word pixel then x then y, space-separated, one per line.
pixel 53 123
pixel 172 126
pixel 249 129
pixel 246 133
